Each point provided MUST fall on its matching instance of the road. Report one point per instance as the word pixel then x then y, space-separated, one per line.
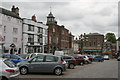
pixel 106 69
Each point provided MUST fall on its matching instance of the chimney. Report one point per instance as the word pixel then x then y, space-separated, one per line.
pixel 15 10
pixel 34 18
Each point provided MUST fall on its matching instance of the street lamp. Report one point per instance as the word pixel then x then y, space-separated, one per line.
pixel 12 48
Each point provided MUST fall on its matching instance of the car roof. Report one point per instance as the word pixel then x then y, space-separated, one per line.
pixel 46 54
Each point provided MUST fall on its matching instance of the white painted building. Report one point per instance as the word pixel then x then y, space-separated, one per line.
pixel 34 36
pixel 11 29
pixel 118 46
pixel 75 46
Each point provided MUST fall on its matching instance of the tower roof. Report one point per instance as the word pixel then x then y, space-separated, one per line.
pixel 50 14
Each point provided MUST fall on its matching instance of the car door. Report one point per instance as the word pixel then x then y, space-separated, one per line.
pixel 50 63
pixel 36 64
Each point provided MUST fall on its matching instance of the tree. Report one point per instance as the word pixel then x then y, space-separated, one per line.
pixel 110 37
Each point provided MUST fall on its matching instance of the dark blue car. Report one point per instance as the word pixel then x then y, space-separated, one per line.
pixel 12 57
pixel 98 58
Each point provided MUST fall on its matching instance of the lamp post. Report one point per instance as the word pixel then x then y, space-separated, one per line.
pixel 81 43
pixel 12 48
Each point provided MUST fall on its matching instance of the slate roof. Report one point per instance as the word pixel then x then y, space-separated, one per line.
pixel 9 13
pixel 95 34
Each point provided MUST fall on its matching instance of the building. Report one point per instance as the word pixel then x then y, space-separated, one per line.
pixel 1 39
pixel 92 43
pixel 71 43
pixel 34 36
pixel 109 48
pixel 76 46
pixel 11 30
pixel 118 46
pixel 58 36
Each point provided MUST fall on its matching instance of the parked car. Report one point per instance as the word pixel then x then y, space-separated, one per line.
pixel 12 57
pixel 106 57
pixel 86 58
pixel 71 62
pixel 90 58
pixel 34 54
pixel 79 60
pixel 98 58
pixel 118 58
pixel 8 69
pixel 24 56
pixel 43 63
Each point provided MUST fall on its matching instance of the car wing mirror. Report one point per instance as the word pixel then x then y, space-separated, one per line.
pixel 29 61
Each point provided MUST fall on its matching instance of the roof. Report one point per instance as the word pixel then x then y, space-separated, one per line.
pixel 95 34
pixel 118 39
pixel 9 13
pixel 50 15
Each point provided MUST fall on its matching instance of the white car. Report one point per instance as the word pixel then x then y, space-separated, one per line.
pixel 8 69
pixel 106 57
pixel 86 59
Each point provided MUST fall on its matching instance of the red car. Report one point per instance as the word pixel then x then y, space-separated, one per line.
pixel 90 58
pixel 79 60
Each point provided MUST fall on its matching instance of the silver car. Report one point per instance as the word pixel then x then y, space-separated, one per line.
pixel 43 63
pixel 8 69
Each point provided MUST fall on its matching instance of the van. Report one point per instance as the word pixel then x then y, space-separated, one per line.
pixel 58 53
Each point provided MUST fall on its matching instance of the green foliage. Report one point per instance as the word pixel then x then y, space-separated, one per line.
pixel 110 37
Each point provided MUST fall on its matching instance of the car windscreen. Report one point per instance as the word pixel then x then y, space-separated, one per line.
pixel 98 57
pixel 10 63
pixel 78 57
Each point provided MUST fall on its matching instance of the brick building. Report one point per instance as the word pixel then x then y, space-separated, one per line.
pixel 58 36
pixel 92 43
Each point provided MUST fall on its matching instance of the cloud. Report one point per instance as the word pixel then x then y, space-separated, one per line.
pixel 78 16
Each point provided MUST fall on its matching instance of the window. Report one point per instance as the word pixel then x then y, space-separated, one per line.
pixel 30 49
pixel 45 40
pixel 40 39
pixel 50 39
pixel 4 38
pixel 66 57
pixel 40 30
pixel 30 38
pixel 38 59
pixel 15 40
pixel 30 28
pixel 15 30
pixel 46 31
pixel 53 29
pixel 14 57
pixel 57 40
pixel 9 63
pixel 50 59
pixel 4 28
pixel 62 32
pixel 9 18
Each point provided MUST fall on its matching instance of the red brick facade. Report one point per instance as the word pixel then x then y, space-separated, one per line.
pixel 58 36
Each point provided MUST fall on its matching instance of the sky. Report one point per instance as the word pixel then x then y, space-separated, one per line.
pixel 78 16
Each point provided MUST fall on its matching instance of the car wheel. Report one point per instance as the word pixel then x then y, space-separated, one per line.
pixel 23 70
pixel 4 78
pixel 71 66
pixel 58 71
pixel 81 63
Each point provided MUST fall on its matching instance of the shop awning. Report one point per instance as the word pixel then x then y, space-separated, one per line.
pixel 95 50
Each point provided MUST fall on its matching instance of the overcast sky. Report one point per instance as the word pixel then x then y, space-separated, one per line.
pixel 80 16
